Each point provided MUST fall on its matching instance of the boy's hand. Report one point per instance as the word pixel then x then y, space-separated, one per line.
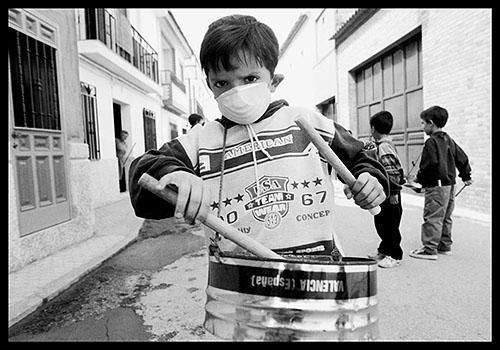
pixel 192 195
pixel 468 182
pixel 366 191
pixel 393 199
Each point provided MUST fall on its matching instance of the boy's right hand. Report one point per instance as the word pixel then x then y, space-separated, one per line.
pixel 192 195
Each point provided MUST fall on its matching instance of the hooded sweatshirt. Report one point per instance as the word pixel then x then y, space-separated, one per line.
pixel 267 179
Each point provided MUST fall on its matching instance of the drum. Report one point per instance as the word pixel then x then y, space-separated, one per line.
pixel 300 298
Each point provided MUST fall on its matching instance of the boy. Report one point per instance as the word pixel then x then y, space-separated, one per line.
pixel 254 168
pixel 440 156
pixel 195 119
pixel 387 221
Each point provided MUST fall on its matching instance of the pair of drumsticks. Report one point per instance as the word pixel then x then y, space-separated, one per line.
pixel 234 235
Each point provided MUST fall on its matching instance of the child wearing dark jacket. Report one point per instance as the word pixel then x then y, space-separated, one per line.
pixel 440 157
pixel 253 167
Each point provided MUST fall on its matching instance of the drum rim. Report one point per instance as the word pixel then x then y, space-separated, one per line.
pixel 347 260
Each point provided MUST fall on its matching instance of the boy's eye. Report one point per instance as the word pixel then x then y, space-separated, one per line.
pixel 251 79
pixel 220 84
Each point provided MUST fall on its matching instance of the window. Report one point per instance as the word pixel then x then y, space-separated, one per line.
pixel 149 129
pixel 34 82
pixel 90 126
pixel 173 131
pixel 393 82
pixel 327 108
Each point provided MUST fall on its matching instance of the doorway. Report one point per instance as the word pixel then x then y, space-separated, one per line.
pixel 121 147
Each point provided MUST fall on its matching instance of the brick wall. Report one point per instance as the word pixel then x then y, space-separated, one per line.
pixel 456 57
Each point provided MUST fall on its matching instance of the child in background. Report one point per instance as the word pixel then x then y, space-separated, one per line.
pixel 440 156
pixel 195 119
pixel 389 252
pixel 253 167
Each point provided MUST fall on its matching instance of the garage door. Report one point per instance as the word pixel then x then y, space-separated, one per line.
pixel 393 82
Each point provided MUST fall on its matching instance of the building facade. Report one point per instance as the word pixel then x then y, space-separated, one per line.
pixel 77 77
pixel 352 63
pixel 120 87
pixel 138 73
pixel 307 60
pixel 50 203
pixel 406 60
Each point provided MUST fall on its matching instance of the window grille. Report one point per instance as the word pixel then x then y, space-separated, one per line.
pixel 90 125
pixel 149 129
pixel 34 82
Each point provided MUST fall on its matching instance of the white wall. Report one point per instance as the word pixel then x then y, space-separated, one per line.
pixel 296 65
pixel 109 89
pixel 323 69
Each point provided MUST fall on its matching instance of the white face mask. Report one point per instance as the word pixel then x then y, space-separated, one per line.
pixel 246 103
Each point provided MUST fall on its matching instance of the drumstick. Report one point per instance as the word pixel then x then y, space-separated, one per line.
pixel 330 156
pixel 460 191
pixel 224 229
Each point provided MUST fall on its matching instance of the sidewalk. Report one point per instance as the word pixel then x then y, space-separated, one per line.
pixel 116 226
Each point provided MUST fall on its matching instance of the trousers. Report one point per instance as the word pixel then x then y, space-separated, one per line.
pixel 438 208
pixel 387 226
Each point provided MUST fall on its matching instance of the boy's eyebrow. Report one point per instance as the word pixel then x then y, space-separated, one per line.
pixel 216 77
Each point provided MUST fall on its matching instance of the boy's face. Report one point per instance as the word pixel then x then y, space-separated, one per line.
pixel 427 126
pixel 248 71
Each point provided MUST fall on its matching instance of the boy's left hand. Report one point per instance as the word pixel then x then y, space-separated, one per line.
pixel 366 191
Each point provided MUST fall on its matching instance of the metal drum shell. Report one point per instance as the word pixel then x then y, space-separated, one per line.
pixel 238 312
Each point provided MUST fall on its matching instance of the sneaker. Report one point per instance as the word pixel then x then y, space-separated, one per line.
pixel 376 256
pixel 422 254
pixel 444 252
pixel 388 262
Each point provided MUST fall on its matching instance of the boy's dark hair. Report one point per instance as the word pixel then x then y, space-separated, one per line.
pixel 194 119
pixel 438 115
pixel 230 35
pixel 382 122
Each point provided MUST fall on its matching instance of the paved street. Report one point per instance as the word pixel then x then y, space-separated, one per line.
pixel 155 289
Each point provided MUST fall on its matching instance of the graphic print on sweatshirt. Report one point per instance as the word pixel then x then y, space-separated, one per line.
pixel 285 143
pixel 269 201
pixel 271 204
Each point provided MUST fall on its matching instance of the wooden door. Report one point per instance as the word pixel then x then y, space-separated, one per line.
pixel 36 138
pixel 393 82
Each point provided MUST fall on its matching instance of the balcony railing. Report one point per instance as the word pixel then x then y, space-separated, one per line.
pixel 168 77
pixel 101 25
pixel 174 93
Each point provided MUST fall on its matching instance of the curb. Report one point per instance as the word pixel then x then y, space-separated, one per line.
pixel 23 304
pixel 39 282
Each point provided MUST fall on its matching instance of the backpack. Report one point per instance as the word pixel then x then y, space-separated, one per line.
pixel 402 179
